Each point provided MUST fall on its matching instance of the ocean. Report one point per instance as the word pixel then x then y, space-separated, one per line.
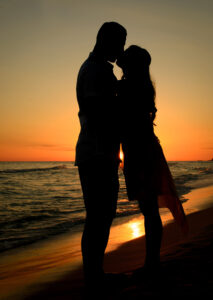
pixel 39 200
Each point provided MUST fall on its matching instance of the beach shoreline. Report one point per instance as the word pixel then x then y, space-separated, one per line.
pixel 66 281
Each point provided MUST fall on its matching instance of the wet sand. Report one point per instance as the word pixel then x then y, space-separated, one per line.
pixel 186 263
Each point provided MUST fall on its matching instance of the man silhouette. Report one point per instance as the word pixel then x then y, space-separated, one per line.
pixel 97 149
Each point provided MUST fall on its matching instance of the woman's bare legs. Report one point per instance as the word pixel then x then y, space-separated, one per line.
pixel 153 230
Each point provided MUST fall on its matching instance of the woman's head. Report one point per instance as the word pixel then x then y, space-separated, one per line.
pixel 134 60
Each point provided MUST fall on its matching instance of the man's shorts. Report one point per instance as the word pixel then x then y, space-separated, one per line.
pixel 100 185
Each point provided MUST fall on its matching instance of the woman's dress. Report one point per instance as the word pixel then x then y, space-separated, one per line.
pixel 145 168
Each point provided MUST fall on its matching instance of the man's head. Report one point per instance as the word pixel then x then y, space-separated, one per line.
pixel 110 40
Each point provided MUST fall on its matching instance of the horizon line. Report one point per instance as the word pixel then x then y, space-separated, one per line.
pixel 180 160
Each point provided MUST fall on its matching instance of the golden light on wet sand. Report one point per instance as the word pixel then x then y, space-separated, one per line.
pixel 136 228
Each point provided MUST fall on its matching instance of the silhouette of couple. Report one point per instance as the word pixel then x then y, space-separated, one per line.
pixel 114 112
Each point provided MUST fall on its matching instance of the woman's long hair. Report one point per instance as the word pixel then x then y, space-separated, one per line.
pixel 135 63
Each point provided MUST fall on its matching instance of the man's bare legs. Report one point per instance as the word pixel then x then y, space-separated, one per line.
pixel 99 181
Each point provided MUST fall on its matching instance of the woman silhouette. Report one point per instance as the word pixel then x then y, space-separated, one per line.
pixel 148 178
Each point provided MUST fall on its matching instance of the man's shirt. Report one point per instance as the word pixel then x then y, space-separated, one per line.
pixel 98 111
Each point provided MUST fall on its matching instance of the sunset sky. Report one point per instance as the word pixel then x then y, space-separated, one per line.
pixel 44 42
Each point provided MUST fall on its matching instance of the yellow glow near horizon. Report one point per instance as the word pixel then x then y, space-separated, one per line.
pixel 121 155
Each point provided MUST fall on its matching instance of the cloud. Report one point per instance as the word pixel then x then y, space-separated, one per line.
pixel 19 142
pixel 207 148
pixel 53 147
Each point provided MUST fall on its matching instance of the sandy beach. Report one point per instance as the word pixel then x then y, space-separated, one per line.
pixel 186 262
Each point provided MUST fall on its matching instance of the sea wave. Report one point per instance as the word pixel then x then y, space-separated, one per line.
pixel 59 167
pixel 21 221
pixel 42 199
pixel 37 233
pixel 203 170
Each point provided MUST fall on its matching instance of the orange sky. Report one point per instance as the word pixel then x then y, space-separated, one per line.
pixel 44 42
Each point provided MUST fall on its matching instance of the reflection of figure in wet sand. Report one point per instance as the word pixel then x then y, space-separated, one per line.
pixel 147 175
